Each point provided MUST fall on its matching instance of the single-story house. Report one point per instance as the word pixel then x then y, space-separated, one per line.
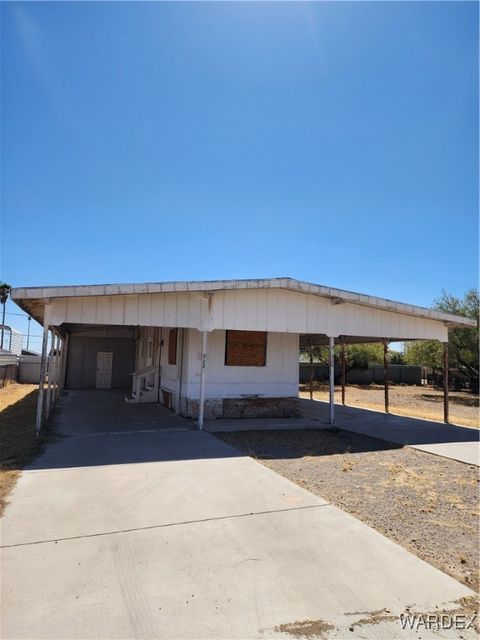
pixel 226 348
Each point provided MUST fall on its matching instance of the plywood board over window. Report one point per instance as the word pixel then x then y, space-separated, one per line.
pixel 246 348
pixel 172 346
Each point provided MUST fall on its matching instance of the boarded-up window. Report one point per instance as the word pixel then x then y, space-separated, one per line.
pixel 172 346
pixel 246 348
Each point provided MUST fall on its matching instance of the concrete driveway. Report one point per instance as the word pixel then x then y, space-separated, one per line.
pixel 160 531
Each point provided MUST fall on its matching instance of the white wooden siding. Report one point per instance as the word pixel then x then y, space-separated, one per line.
pixel 279 378
pixel 276 310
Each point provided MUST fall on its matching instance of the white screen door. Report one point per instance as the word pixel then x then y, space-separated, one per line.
pixel 104 369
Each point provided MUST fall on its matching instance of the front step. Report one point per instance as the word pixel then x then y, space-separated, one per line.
pixel 132 399
pixel 147 395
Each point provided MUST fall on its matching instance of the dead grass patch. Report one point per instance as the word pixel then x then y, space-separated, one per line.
pixel 18 440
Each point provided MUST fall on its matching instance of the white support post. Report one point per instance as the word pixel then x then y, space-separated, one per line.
pixel 41 383
pixel 50 374
pixel 331 379
pixel 201 402
pixel 61 377
pixel 54 371
pixel 138 387
pixel 63 374
pixel 59 368
pixel 178 389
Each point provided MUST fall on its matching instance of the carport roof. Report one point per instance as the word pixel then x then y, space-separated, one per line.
pixel 34 299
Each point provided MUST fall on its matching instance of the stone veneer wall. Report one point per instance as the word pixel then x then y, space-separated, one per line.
pixel 253 407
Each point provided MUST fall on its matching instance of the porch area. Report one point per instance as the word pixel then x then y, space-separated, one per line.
pixel 99 412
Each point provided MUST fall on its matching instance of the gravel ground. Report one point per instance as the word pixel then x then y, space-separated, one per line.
pixel 426 503
pixel 418 402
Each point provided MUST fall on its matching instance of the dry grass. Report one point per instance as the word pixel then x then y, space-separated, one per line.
pixel 412 401
pixel 12 393
pixel 18 441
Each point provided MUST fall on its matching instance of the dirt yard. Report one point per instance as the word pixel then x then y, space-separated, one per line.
pixel 428 504
pixel 18 441
pixel 417 402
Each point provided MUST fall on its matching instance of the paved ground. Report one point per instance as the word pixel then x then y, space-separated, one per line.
pixel 144 528
pixel 449 441
pixel 407 400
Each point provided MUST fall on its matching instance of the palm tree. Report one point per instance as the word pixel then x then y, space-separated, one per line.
pixel 4 292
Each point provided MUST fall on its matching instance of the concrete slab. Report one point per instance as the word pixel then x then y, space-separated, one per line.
pixel 449 441
pixel 398 429
pixel 467 452
pixel 97 411
pixel 263 424
pixel 172 477
pixel 239 577
pixel 171 533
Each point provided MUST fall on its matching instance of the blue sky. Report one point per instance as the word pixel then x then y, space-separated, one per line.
pixel 330 142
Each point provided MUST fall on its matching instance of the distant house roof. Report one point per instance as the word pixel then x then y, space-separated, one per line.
pixel 29 352
pixel 33 299
pixel 12 340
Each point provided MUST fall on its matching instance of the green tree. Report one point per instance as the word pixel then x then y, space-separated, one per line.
pixel 463 343
pixel 357 356
pixel 395 357
pixel 426 353
pixel 360 356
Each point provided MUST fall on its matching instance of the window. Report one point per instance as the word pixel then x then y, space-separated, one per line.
pixel 172 346
pixel 246 348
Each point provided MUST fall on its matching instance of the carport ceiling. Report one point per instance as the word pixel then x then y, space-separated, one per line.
pixel 321 340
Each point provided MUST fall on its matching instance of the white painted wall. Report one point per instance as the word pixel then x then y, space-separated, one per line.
pixel 150 352
pixel 276 310
pixel 168 375
pixel 279 378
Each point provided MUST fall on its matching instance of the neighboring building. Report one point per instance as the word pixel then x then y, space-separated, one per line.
pixel 12 348
pixel 29 352
pixel 214 349
pixel 30 363
pixel 12 340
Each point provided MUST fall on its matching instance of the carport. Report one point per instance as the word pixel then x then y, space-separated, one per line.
pixel 310 341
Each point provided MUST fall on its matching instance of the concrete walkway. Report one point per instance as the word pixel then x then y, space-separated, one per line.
pixel 170 533
pixel 449 441
pixel 446 440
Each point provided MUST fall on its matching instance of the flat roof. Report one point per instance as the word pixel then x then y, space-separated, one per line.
pixel 33 299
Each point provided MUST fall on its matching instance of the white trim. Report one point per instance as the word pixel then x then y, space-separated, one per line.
pixel 338 296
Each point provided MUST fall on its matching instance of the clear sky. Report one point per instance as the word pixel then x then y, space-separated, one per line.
pixel 330 142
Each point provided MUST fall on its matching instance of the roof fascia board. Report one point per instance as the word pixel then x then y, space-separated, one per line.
pixel 223 285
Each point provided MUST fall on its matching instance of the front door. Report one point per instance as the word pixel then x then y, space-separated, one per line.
pixel 104 370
